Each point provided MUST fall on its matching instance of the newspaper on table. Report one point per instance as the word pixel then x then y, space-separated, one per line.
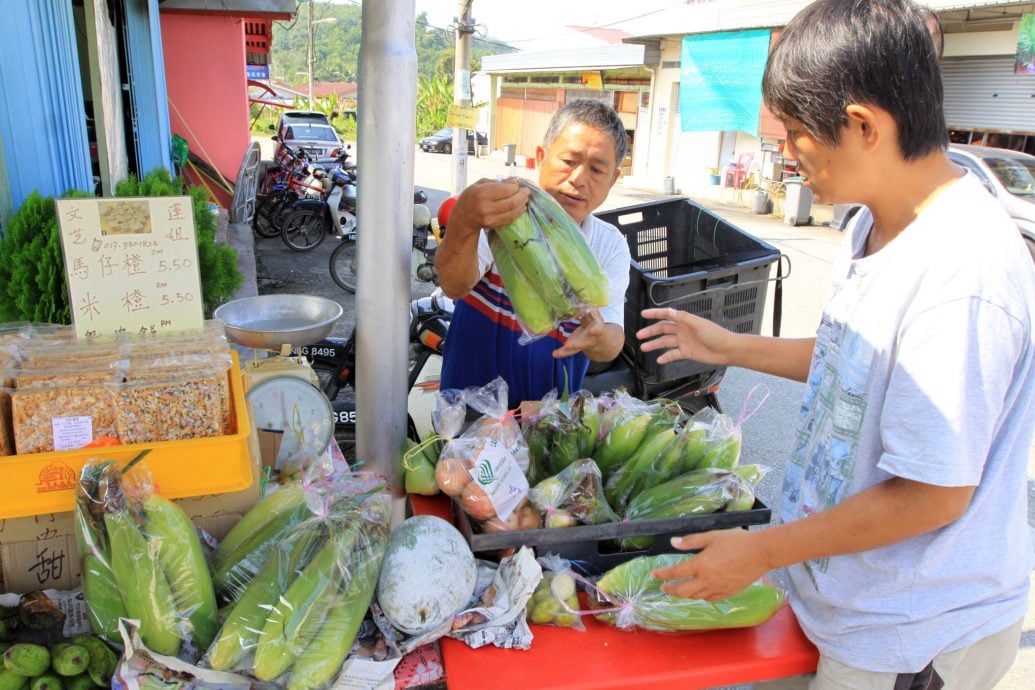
pixel 142 669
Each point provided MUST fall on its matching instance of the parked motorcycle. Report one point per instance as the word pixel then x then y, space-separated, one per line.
pixel 309 220
pixel 343 261
pixel 290 178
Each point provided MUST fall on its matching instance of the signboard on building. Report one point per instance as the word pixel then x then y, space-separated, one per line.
pixel 258 72
pixel 131 265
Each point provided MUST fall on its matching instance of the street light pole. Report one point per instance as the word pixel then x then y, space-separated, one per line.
pixel 462 92
pixel 310 47
pixel 309 55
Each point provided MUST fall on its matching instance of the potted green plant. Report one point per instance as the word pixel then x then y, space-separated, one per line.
pixel 713 175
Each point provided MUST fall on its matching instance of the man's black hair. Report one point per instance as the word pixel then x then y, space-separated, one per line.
pixel 594 113
pixel 836 53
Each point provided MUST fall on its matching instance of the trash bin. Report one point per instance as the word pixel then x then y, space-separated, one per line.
pixel 797 206
pixel 511 151
pixel 760 204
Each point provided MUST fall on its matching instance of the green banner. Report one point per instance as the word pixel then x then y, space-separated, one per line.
pixel 720 84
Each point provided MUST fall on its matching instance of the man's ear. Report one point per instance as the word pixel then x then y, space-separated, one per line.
pixel 540 155
pixel 865 122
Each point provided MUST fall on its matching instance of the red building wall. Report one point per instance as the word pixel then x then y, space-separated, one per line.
pixel 207 86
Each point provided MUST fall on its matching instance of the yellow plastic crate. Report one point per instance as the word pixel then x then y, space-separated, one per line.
pixel 46 482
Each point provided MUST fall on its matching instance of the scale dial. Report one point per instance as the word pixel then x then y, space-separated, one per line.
pixel 299 410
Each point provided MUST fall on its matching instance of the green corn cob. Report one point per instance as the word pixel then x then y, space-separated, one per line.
pixel 725 454
pixel 693 449
pixel 529 305
pixel 317 664
pixel 240 631
pixel 304 602
pixel 631 583
pixel 246 545
pixel 104 605
pixel 579 266
pixel 173 536
pixel 620 486
pixel 532 255
pixel 620 443
pixel 144 587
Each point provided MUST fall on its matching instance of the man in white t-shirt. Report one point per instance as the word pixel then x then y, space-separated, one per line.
pixel 904 519
pixel 578 164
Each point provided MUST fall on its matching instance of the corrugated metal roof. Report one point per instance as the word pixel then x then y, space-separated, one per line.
pixel 733 15
pixel 596 57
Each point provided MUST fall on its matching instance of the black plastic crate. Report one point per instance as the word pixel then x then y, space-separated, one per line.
pixel 592 546
pixel 687 258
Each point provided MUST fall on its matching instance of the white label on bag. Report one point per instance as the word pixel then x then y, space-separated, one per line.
pixel 71 433
pixel 499 475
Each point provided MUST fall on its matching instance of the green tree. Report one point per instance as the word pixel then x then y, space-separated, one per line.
pixel 336 57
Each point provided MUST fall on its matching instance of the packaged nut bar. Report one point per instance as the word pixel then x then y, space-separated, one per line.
pixel 61 418
pixel 177 406
pixel 97 373
pixel 213 367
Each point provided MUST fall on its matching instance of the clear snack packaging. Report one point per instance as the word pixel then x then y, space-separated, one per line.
pixel 629 597
pixel 37 376
pixel 549 272
pixel 556 600
pixel 43 353
pixel 170 405
pixel 574 496
pixel 207 367
pixel 485 465
pixel 295 620
pixel 142 559
pixel 61 417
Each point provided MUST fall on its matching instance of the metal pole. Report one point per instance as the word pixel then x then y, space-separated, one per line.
pixel 387 134
pixel 462 92
pixel 309 55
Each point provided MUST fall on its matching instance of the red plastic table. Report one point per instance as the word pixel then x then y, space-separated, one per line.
pixel 605 657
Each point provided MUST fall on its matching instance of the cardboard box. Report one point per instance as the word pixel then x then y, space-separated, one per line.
pixel 39 552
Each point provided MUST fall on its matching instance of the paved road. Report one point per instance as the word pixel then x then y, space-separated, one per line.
pixel 810 250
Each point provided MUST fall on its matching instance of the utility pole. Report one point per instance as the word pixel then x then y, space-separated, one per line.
pixel 462 92
pixel 309 55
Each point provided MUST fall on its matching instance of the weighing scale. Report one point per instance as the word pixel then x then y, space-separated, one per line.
pixel 287 405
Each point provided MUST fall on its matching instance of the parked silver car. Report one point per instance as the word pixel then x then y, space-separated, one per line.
pixel 1009 176
pixel 311 132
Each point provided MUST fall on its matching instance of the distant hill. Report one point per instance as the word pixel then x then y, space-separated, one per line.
pixel 336 47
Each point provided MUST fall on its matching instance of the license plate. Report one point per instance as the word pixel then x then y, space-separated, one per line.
pixel 350 236
pixel 311 351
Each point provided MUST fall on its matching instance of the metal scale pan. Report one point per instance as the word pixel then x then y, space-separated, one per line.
pixel 268 322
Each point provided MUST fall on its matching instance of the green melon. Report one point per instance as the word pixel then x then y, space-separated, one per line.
pixel 428 574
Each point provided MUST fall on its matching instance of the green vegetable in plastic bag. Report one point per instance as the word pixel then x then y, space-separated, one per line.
pixel 630 597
